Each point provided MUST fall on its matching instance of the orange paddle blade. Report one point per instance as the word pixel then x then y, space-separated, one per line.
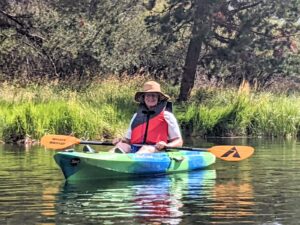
pixel 58 141
pixel 232 153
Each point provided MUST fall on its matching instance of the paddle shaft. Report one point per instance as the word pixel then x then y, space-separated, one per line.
pixel 96 143
pixel 63 141
pixel 187 148
pixel 224 152
pixel 227 153
pixel 167 148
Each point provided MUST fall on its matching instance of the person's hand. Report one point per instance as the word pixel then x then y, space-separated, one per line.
pixel 161 145
pixel 116 141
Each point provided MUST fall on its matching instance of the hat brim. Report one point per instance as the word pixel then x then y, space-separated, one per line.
pixel 139 96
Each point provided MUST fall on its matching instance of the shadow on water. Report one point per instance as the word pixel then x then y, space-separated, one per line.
pixel 133 201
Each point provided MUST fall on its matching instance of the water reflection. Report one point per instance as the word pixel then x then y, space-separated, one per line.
pixel 235 201
pixel 263 189
pixel 48 201
pixel 155 200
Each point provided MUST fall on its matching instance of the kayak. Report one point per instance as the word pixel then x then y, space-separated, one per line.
pixel 91 165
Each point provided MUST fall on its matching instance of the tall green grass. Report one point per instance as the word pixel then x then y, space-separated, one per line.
pixel 103 109
pixel 226 113
pixel 277 116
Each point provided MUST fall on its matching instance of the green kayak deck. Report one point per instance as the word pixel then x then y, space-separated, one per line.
pixel 101 165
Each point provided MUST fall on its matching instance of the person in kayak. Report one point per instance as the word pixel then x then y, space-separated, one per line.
pixel 153 127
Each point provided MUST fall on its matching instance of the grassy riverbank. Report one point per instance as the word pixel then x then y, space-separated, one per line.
pixel 103 111
pixel 227 113
pixel 100 111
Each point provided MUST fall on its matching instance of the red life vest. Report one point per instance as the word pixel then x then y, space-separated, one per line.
pixel 157 129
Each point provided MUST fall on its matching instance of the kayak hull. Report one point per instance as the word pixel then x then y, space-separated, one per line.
pixel 102 165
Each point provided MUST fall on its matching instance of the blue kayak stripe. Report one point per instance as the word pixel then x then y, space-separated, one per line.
pixel 150 163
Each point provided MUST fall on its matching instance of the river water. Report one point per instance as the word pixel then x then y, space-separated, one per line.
pixel 264 189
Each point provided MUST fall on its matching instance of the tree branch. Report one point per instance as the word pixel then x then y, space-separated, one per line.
pixel 22 29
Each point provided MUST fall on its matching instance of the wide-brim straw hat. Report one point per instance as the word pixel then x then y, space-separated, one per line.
pixel 150 87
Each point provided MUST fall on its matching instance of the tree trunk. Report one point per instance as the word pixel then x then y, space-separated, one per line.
pixel 193 53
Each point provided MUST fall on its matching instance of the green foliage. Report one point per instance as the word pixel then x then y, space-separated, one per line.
pixel 227 114
pixel 102 111
pixel 14 130
pixel 242 39
pixel 71 41
pixel 280 117
pixel 82 40
pixel 221 115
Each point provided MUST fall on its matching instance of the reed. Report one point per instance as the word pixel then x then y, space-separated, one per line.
pixel 103 110
pixel 226 113
pixel 277 116
pixel 221 114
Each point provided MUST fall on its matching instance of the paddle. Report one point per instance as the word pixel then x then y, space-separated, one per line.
pixel 224 152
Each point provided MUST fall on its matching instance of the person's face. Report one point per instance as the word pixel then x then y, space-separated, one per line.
pixel 151 99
